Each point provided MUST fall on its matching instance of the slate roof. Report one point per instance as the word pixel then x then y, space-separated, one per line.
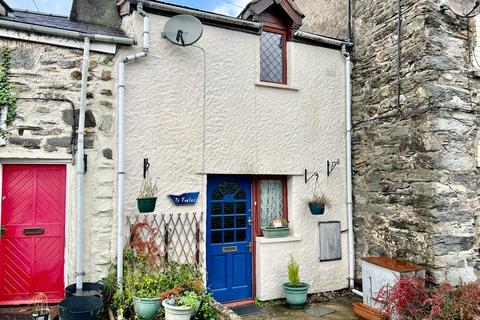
pixel 61 22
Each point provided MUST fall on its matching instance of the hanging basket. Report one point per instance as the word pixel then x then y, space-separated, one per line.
pixel 146 205
pixel 316 208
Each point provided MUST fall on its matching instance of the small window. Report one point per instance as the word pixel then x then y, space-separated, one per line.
pixel 273 55
pixel 271 200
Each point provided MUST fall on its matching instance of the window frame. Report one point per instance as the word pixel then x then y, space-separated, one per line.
pixel 257 227
pixel 284 33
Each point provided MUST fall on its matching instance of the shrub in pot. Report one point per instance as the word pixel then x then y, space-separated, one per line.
pixel 318 203
pixel 181 307
pixel 295 291
pixel 277 228
pixel 145 289
pixel 147 197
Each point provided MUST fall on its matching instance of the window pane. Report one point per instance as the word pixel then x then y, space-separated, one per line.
pixel 241 235
pixel 228 208
pixel 229 222
pixel 216 237
pixel 271 201
pixel 271 57
pixel 229 236
pixel 217 222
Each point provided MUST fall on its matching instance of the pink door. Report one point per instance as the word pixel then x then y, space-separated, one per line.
pixel 33 233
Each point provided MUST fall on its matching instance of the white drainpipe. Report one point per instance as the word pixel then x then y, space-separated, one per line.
pixel 121 139
pixel 3 123
pixel 348 136
pixel 80 165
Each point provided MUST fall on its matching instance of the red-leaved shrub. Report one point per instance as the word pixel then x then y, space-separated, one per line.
pixel 416 298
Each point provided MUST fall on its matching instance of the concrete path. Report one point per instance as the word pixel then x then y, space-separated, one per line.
pixel 342 307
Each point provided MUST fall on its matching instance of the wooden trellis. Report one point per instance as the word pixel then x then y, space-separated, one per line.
pixel 179 236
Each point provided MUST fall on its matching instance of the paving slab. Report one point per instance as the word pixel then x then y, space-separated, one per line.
pixel 342 310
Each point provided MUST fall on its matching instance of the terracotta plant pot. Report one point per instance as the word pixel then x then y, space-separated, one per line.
pixel 365 312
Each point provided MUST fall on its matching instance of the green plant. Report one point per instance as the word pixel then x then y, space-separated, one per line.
pixel 293 272
pixel 8 96
pixel 321 200
pixel 148 189
pixel 187 299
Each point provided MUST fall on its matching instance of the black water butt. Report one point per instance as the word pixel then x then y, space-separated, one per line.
pixel 80 308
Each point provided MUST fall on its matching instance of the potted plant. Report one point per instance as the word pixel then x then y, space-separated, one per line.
pixel 148 196
pixel 40 307
pixel 318 203
pixel 295 291
pixel 277 228
pixel 145 289
pixel 181 307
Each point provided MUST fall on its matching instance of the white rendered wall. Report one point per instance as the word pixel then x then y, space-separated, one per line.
pixel 248 129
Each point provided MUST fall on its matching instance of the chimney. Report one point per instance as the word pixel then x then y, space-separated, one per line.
pixel 101 12
pixel 5 10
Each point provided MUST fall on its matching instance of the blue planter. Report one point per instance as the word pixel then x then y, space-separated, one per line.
pixel 145 308
pixel 316 208
pixel 296 296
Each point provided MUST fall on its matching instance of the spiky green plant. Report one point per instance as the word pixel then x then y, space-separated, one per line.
pixel 293 272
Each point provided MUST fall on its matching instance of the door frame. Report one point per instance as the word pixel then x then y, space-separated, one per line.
pixel 252 231
pixel 68 168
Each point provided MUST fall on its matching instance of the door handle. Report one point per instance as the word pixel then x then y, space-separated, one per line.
pixel 250 221
pixel 33 231
pixel 4 198
pixel 250 246
pixel 2 231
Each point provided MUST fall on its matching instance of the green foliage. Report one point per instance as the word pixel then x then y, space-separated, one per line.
pixel 206 311
pixel 293 272
pixel 321 200
pixel 145 278
pixel 8 96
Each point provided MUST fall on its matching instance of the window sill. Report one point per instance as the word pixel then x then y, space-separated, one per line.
pixel 275 85
pixel 278 240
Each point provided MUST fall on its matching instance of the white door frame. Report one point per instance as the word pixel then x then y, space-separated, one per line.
pixel 68 165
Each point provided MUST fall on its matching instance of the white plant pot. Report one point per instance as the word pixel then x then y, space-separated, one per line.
pixel 176 312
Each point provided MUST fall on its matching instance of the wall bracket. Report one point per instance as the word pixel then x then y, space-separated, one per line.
pixel 312 175
pixel 146 166
pixel 331 165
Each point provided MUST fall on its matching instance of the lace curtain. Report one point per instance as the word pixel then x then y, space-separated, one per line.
pixel 271 201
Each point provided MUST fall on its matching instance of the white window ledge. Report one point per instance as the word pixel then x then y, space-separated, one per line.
pixel 278 240
pixel 275 85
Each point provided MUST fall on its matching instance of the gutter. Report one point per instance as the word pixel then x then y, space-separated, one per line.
pixel 202 15
pixel 121 140
pixel 322 39
pixel 64 33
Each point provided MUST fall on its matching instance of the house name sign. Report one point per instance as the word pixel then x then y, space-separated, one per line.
pixel 185 199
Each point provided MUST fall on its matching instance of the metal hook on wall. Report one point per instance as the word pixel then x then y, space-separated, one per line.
pixel 146 166
pixel 331 166
pixel 308 178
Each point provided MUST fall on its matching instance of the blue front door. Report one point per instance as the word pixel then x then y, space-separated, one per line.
pixel 229 251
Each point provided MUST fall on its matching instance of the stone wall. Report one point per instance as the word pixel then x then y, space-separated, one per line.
pixel 48 80
pixel 327 17
pixel 415 176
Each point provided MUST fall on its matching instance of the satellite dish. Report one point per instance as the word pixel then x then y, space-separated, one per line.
pixel 183 30
pixel 465 8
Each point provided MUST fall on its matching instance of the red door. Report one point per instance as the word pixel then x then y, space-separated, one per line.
pixel 33 236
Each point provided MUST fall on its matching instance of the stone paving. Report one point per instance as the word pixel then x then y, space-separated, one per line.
pixel 341 305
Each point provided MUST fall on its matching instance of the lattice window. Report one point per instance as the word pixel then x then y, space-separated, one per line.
pixel 272 57
pixel 271 201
